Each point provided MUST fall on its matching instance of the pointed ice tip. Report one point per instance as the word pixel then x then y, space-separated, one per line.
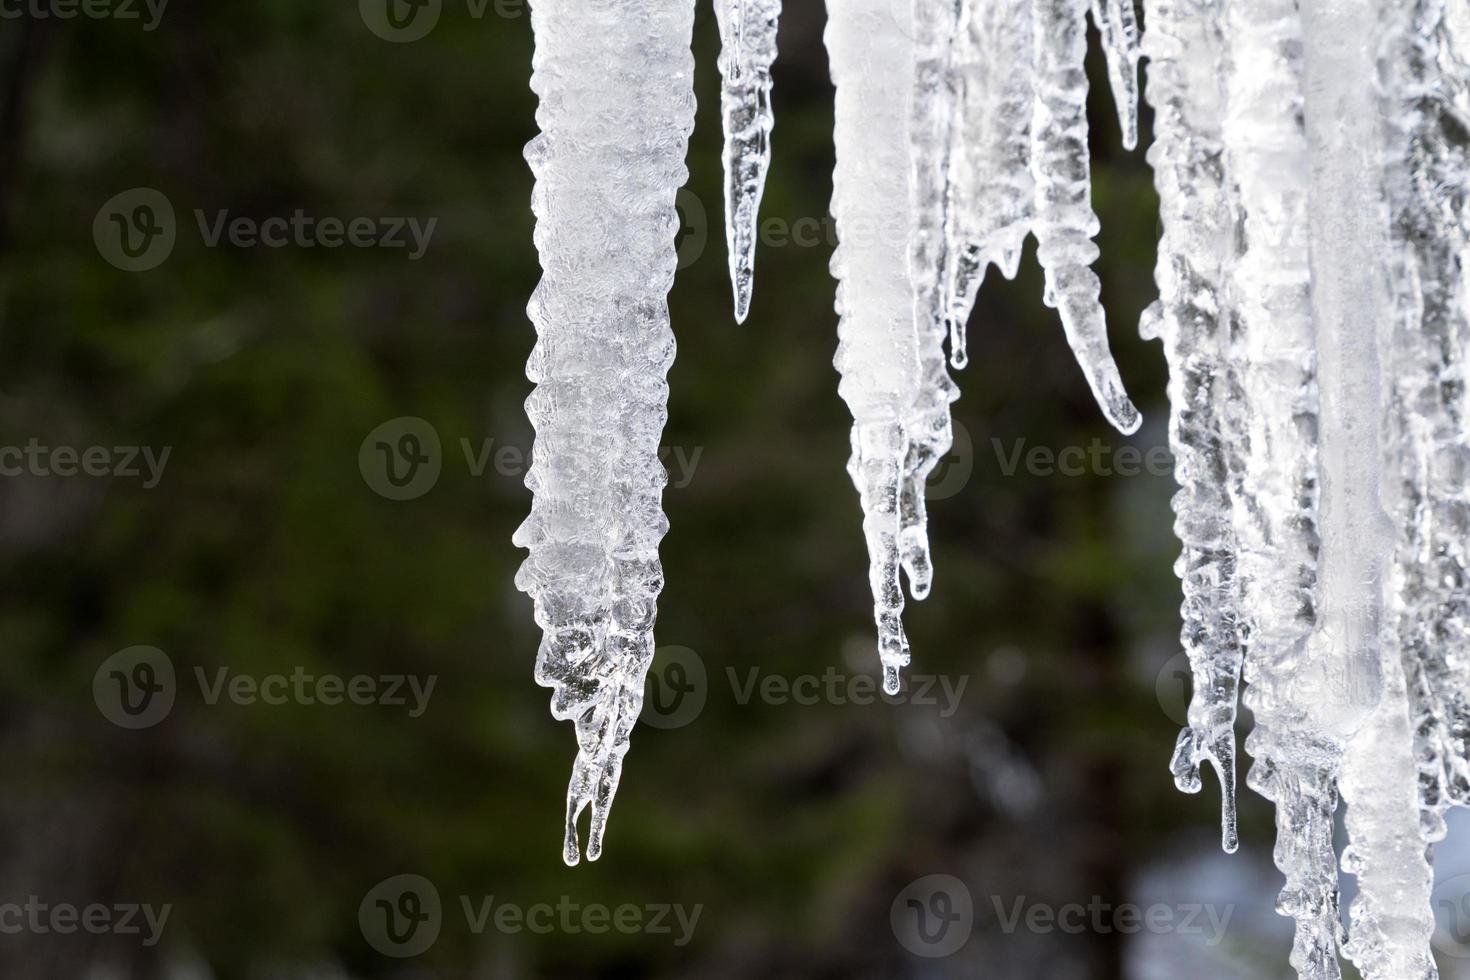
pixel 1127 420
pixel 742 305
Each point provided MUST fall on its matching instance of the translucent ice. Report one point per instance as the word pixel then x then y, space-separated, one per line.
pixel 892 365
pixel 748 38
pixel 615 80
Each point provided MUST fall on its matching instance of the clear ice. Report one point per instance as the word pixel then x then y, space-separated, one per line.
pixel 748 49
pixel 1312 160
pixel 615 81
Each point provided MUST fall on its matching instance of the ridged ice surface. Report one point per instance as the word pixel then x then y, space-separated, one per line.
pixel 1117 24
pixel 615 80
pixel 1065 223
pixel 1312 160
pixel 1295 761
pixel 1428 95
pixel 1184 45
pixel 992 197
pixel 893 374
pixel 748 49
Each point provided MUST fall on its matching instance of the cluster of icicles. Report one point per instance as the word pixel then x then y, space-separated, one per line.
pixel 1312 159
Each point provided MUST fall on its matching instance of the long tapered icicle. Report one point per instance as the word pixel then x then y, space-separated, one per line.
pixel 1065 222
pixel 1295 764
pixel 900 413
pixel 748 39
pixel 1184 44
pixel 1428 195
pixel 615 80
pixel 1117 23
pixel 928 425
pixel 1349 233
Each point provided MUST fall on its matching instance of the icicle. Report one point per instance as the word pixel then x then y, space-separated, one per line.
pixel 615 79
pixel 928 426
pixel 1349 233
pixel 1184 45
pixel 748 36
pixel 1428 194
pixel 1117 22
pixel 1296 763
pixel 900 408
pixel 1065 222
pixel 991 193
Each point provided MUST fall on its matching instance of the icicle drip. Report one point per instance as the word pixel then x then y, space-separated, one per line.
pixel 615 79
pixel 1117 23
pixel 1065 222
pixel 1428 415
pixel 1295 764
pixel 748 35
pixel 1184 45
pixel 927 426
pixel 900 407
pixel 991 193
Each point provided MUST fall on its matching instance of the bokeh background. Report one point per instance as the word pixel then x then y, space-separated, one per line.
pixel 1031 769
